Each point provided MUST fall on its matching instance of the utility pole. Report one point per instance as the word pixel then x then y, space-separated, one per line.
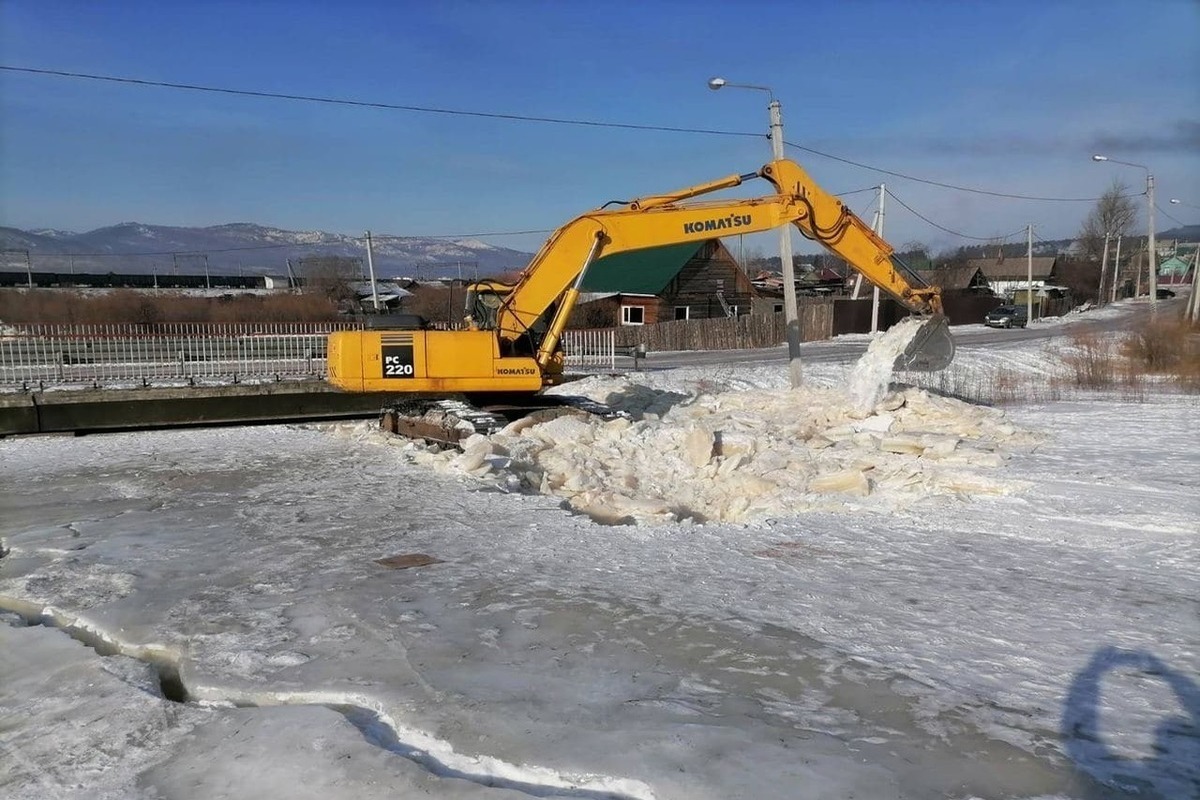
pixel 874 288
pixel 791 309
pixel 1116 271
pixel 1029 270
pixel 1194 300
pixel 371 270
pixel 207 284
pixel 28 270
pixel 1150 226
pixel 1103 272
pixel 858 278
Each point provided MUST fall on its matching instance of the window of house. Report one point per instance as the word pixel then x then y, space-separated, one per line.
pixel 779 308
pixel 633 315
pixel 681 312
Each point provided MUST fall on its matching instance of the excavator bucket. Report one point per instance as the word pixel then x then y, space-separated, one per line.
pixel 930 350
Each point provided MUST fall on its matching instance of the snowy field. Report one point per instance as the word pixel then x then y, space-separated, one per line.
pixel 739 591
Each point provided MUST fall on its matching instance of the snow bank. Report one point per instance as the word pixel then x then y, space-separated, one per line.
pixel 700 453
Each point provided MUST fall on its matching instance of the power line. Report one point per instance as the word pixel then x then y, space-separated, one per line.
pixel 369 104
pixel 857 191
pixel 1168 216
pixel 947 230
pixel 945 185
pixel 464 235
pixel 522 118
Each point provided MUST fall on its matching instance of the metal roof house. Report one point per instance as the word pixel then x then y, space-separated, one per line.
pixel 1006 275
pixel 696 280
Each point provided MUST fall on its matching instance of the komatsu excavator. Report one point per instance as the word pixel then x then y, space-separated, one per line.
pixel 511 346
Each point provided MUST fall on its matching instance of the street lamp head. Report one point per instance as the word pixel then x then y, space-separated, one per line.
pixel 1099 158
pixel 716 83
pixel 1176 202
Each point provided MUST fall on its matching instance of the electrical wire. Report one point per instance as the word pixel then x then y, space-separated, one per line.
pixel 942 185
pixel 952 232
pixel 1168 216
pixel 857 191
pixel 863 214
pixel 192 87
pixel 386 236
pixel 522 118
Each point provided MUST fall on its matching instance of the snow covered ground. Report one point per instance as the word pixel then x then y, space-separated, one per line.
pixel 741 591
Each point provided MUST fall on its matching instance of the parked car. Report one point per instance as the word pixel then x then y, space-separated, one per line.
pixel 1164 294
pixel 1007 317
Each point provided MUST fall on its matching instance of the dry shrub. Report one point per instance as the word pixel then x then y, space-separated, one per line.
pixel 1091 361
pixel 60 306
pixel 986 384
pixel 1154 351
pixel 1167 347
pixel 1158 346
pixel 437 304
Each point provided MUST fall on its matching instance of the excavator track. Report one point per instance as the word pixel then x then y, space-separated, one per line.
pixel 447 422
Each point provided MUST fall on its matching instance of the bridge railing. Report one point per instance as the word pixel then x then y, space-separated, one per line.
pixel 37 356
pixel 590 350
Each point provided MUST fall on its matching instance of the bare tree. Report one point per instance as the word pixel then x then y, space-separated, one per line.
pixel 436 303
pixel 330 276
pixel 1113 215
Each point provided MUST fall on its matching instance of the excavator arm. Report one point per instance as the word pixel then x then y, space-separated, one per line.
pixel 555 275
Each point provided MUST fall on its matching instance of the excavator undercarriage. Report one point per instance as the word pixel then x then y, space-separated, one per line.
pixel 446 422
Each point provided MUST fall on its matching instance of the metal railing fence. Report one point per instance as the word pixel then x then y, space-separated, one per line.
pixel 36 356
pixel 590 349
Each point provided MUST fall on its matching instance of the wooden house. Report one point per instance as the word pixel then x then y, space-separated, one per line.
pixel 1006 275
pixel 697 280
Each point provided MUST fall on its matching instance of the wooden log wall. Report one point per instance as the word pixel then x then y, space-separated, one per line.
pixel 739 333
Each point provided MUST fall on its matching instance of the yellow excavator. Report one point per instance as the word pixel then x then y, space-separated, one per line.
pixel 511 346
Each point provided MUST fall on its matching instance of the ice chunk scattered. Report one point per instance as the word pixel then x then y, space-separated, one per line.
pixel 744 455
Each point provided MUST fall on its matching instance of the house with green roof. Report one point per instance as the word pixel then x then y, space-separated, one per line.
pixel 696 280
pixel 1177 269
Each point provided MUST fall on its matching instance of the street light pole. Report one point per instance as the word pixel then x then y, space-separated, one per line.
pixel 1150 248
pixel 791 309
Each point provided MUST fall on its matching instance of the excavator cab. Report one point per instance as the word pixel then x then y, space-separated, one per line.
pixel 484 299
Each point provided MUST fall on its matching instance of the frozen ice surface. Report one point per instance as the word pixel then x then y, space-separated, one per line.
pixel 1037 642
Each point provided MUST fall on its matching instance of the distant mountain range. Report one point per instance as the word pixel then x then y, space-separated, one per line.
pixel 246 248
pixel 1184 233
pixel 243 248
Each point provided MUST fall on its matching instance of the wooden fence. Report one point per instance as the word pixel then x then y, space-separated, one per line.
pixel 737 333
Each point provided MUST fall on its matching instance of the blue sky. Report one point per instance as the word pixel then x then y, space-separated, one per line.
pixel 1007 96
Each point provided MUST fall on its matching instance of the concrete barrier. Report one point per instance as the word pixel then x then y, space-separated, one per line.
pixel 95 410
